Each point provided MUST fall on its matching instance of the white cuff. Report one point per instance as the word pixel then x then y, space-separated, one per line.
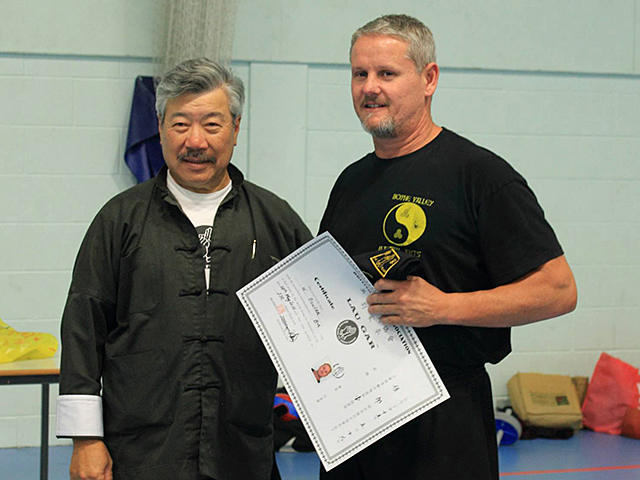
pixel 79 416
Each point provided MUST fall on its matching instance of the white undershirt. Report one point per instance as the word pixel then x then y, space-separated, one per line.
pixel 201 209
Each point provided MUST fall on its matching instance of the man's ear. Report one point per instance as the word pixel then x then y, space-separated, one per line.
pixel 236 129
pixel 160 128
pixel 431 74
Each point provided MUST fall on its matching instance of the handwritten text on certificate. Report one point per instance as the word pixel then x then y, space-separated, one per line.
pixel 351 378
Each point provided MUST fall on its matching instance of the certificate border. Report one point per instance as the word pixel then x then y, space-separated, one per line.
pixel 440 392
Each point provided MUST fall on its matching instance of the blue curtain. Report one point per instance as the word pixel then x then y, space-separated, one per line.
pixel 143 153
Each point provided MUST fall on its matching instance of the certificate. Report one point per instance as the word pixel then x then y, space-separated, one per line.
pixel 351 378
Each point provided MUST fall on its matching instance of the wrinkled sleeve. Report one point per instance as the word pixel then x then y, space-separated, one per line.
pixel 87 316
pixel 514 234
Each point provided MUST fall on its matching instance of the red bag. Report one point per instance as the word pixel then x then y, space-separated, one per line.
pixel 612 391
pixel 631 423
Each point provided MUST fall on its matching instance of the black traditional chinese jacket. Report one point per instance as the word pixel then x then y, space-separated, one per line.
pixel 188 387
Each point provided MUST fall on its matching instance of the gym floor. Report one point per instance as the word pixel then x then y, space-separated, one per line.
pixel 586 456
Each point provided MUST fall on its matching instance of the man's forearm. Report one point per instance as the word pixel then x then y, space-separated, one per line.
pixel 90 460
pixel 547 292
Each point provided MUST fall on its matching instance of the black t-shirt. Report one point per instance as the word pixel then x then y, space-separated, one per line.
pixel 465 211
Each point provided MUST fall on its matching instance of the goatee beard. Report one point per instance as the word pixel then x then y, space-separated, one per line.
pixel 386 128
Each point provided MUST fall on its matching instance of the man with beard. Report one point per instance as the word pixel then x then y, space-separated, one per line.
pixel 490 261
pixel 163 375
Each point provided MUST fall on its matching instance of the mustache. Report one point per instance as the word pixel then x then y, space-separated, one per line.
pixel 370 98
pixel 198 156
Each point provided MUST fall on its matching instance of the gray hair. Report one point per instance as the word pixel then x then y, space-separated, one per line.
pixel 199 75
pixel 421 46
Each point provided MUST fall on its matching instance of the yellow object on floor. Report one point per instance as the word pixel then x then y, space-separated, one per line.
pixel 16 345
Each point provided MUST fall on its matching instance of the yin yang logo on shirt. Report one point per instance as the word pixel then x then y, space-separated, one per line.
pixel 404 224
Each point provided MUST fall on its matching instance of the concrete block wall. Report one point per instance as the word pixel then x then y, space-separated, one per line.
pixel 574 136
pixel 62 137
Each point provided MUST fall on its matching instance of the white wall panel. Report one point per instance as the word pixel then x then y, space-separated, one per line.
pixel 545 35
pixel 19 400
pixel 48 199
pixel 43 247
pixel 597 245
pixel 594 330
pixel 627 331
pixel 627 115
pixel 318 188
pixel 566 200
pixel 72 150
pixel 30 427
pixel 83 27
pixel 626 205
pixel 552 335
pixel 11 65
pixel 278 119
pixel 102 103
pixel 329 152
pixel 31 101
pixel 471 110
pixel 132 67
pixel 637 31
pixel 596 288
pixel 60 67
pixel 9 428
pixel 17 292
pixel 625 284
pixel 11 150
pixel 330 108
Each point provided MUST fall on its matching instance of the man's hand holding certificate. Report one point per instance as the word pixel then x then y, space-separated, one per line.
pixel 351 378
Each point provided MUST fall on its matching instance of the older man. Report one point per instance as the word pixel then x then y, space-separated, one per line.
pixel 163 376
pixel 490 260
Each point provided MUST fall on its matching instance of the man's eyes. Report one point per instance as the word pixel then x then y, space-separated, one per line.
pixel 383 74
pixel 208 126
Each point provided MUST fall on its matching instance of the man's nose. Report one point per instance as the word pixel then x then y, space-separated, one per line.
pixel 196 138
pixel 371 86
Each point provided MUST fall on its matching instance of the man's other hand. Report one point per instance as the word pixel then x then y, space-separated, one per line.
pixel 412 302
pixel 90 460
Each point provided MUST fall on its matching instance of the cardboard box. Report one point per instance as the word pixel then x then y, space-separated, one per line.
pixel 581 384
